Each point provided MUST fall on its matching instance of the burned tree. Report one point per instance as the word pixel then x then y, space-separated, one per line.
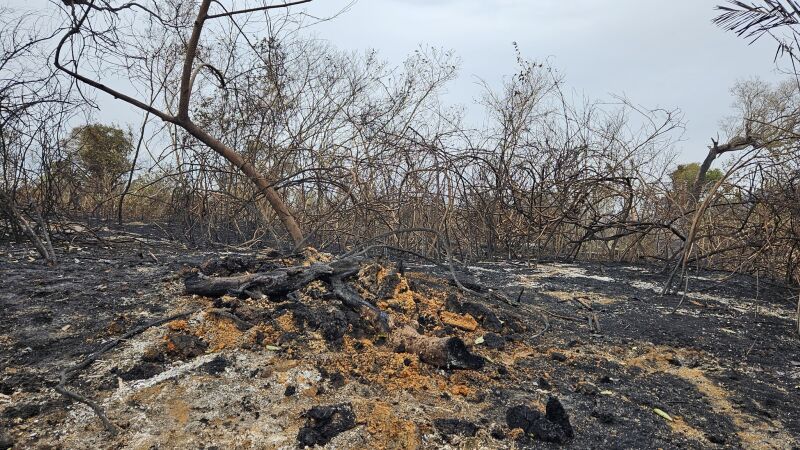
pixel 82 32
pixel 33 105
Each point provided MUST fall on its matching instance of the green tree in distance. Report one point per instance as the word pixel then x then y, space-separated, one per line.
pixel 101 154
pixel 102 151
pixel 684 176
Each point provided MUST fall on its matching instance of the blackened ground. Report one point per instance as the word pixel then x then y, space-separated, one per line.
pixel 724 365
pixel 50 317
pixel 727 361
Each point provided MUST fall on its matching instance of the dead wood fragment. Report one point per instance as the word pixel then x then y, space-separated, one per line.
pixel 457 427
pixel 351 299
pixel 323 423
pixel 184 346
pixel 464 322
pixel 276 282
pixel 446 353
pixel 480 312
pixel 554 426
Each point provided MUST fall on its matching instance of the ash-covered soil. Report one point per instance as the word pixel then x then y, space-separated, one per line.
pixel 616 360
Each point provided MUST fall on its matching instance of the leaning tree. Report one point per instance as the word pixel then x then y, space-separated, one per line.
pixel 160 49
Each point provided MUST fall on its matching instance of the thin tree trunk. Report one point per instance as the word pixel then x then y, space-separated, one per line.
pixel 183 120
pixel 133 168
pixel 261 182
pixel 43 244
pixel 263 185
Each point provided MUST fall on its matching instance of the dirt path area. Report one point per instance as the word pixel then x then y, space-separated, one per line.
pixel 721 371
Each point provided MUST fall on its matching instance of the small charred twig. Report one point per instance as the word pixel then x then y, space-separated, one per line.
pixel 107 424
pixel 584 303
pixel 750 349
pixel 68 373
pixel 562 317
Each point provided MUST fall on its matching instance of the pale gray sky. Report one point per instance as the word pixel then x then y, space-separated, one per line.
pixel 658 53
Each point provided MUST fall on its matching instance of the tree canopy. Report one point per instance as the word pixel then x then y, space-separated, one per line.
pixel 102 151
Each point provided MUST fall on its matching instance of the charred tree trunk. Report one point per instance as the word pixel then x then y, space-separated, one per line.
pixel 187 80
pixel 277 282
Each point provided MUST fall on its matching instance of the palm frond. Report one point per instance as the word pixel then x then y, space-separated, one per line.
pixel 753 19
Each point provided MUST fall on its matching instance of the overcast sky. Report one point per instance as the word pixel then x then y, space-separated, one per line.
pixel 658 53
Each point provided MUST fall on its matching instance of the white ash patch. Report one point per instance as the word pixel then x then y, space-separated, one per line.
pixel 702 278
pixel 482 269
pixel 229 408
pixel 422 266
pixel 176 371
pixel 131 351
pixel 646 285
pixel 744 306
pixel 80 413
pixel 560 270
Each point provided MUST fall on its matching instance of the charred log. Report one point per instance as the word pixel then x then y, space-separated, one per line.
pixel 446 353
pixel 277 282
